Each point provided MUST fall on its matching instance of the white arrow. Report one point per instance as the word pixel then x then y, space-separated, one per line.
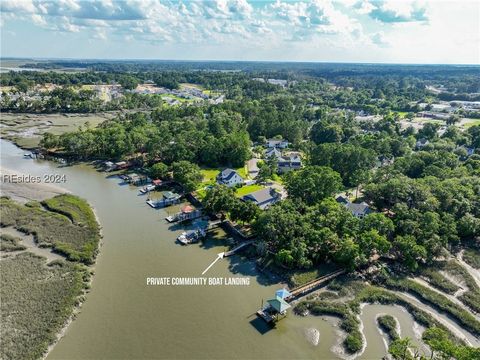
pixel 219 256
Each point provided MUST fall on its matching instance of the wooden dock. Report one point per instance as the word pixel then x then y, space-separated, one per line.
pixel 269 319
pixel 215 223
pixel 238 248
pixel 311 285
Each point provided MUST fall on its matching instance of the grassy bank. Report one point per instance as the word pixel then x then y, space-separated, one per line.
pixel 389 325
pixel 36 302
pixel 66 223
pixel 38 298
pixel 10 243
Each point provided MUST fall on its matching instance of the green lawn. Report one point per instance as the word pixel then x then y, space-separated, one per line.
pixel 209 175
pixel 470 122
pixel 247 189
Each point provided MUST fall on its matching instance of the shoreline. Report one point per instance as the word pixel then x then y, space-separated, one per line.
pixel 38 192
pixel 82 297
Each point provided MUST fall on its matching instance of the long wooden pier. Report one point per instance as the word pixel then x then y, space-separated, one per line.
pixel 309 286
pixel 238 248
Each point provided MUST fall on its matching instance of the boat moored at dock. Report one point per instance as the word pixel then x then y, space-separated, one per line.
pixel 147 189
pixel 191 236
pixel 187 213
pixel 169 198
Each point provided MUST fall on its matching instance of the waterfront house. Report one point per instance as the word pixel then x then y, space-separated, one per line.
pixel 277 143
pixel 230 178
pixel 263 198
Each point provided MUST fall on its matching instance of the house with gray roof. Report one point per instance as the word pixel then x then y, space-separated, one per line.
pixel 289 162
pixel 273 152
pixel 263 198
pixel 359 210
pixel 230 178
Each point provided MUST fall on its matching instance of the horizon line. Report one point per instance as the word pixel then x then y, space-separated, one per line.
pixel 228 61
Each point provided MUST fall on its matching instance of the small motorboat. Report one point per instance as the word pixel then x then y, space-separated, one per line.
pixel 147 188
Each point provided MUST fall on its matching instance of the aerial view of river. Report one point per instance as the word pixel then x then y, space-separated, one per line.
pixel 124 318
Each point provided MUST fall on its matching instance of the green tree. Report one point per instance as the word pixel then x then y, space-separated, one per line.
pixel 219 199
pixel 409 251
pixel 244 211
pixel 158 171
pixel 312 184
pixel 187 174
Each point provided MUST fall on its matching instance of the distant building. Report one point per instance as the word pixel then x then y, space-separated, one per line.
pixel 421 143
pixel 229 177
pixel 433 115
pixel 382 161
pixel 342 200
pixel 359 210
pixel 274 143
pixel 263 198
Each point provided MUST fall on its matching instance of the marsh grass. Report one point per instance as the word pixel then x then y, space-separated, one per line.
pixel 389 325
pixel 462 316
pixel 36 302
pixel 10 243
pixel 67 224
pixel 355 293
pixel 38 298
pixel 439 281
pixel 472 257
pixel 471 298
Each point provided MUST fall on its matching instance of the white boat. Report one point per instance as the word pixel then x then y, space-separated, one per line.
pixel 191 236
pixel 147 188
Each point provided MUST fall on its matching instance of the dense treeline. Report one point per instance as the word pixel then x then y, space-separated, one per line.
pixel 219 140
pixel 428 196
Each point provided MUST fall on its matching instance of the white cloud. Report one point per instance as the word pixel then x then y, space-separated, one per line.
pixel 355 28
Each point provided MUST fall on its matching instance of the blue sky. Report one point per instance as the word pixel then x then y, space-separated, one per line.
pixel 319 30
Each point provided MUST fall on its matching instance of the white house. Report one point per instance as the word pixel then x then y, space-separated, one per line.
pixel 229 177
pixel 274 143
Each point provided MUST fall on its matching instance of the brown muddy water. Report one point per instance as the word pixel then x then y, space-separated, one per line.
pixel 123 318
